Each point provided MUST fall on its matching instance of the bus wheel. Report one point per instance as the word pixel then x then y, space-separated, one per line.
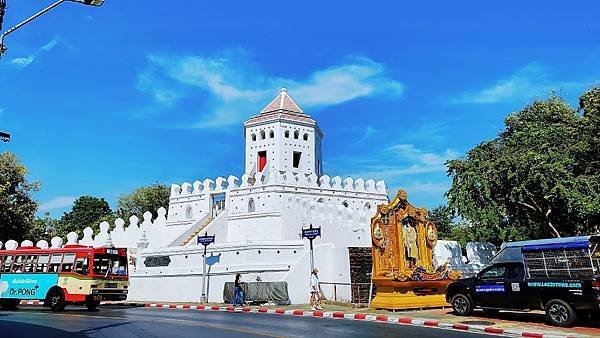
pixel 559 313
pixel 9 304
pixel 91 304
pixel 56 298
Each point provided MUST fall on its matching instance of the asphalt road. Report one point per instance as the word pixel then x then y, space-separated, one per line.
pixel 119 321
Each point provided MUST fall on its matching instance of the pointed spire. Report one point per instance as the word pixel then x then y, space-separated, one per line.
pixel 283 102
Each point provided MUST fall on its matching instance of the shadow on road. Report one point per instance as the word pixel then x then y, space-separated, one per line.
pixel 17 329
pixel 531 318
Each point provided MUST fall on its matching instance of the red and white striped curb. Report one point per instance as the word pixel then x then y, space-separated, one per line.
pixel 361 316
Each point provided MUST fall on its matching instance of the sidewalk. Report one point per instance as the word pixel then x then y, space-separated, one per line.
pixel 529 324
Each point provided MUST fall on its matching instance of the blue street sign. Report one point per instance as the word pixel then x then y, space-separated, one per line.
pixel 211 260
pixel 206 240
pixel 311 233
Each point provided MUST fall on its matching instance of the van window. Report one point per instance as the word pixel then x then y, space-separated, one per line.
pixel 493 273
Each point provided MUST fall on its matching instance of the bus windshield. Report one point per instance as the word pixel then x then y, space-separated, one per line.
pixel 114 265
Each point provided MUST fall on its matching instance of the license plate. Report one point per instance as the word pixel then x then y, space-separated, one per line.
pixel 110 285
pixel 97 298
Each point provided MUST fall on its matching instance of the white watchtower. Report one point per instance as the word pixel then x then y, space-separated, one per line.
pixel 284 138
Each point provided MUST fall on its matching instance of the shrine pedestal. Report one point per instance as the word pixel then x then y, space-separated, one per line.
pixel 410 295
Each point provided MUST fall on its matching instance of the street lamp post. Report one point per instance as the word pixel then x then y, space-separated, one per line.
pixel 5 137
pixel 205 240
pixel 96 3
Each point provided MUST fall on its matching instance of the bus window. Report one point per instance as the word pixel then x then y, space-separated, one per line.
pixel 101 264
pixel 110 264
pixel 81 265
pixel 30 263
pixel 17 266
pixel 67 264
pixel 42 265
pixel 55 263
pixel 6 263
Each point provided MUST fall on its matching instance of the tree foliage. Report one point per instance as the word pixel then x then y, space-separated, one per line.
pixel 17 206
pixel 148 198
pixel 443 218
pixel 87 211
pixel 540 177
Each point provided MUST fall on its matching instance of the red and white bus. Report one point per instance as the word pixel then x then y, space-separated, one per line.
pixel 73 274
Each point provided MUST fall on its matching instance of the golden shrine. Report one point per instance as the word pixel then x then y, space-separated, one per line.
pixel 403 269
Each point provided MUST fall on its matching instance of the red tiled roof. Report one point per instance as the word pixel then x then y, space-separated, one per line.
pixel 283 102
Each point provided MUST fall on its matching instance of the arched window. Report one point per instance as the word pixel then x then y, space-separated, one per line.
pixel 253 137
pixel 262 134
pixel 188 212
pixel 320 200
pixel 367 206
pixel 296 134
pixel 345 204
pixel 271 134
pixel 305 137
pixel 251 206
pixel 286 134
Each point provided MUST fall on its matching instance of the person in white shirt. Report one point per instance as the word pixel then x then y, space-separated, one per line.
pixel 315 291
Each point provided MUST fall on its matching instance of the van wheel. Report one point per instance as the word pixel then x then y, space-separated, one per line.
pixel 461 304
pixel 560 313
pixel 56 298
pixel 9 304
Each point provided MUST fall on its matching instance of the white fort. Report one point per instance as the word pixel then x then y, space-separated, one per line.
pixel 256 220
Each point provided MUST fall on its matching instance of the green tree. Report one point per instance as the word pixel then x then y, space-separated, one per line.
pixel 17 206
pixel 443 217
pixel 538 178
pixel 42 228
pixel 148 198
pixel 87 211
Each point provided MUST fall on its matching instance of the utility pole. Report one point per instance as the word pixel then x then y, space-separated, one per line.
pixel 2 10
pixel 95 3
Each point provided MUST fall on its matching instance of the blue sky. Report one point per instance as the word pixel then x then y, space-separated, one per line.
pixel 103 100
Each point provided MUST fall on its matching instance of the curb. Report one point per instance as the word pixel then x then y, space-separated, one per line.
pixel 359 316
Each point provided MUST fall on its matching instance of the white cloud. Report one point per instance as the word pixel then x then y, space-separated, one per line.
pixel 50 44
pixel 22 62
pixel 529 81
pixel 237 89
pixel 57 202
pixel 149 84
pixel 394 164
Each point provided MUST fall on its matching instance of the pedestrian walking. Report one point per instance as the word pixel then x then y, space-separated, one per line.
pixel 315 291
pixel 238 294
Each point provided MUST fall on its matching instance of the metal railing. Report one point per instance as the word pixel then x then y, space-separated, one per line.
pixel 339 292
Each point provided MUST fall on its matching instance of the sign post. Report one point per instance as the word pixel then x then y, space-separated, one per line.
pixel 311 233
pixel 206 241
